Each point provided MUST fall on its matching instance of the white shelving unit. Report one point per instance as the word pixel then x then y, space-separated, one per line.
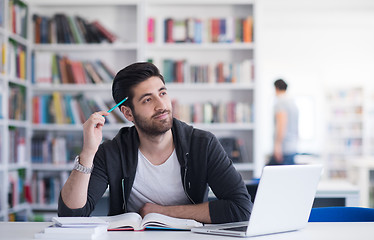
pixel 11 165
pixel 208 52
pixel 346 129
pixel 121 18
pixel 128 20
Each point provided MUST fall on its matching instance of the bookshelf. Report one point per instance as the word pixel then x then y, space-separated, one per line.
pixel 224 63
pixel 195 46
pixel 14 114
pixel 346 129
pixel 64 137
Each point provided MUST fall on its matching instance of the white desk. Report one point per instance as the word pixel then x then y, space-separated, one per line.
pixel 314 231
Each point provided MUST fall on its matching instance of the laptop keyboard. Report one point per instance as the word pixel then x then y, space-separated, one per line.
pixel 237 229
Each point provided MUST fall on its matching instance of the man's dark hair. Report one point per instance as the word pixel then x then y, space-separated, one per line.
pixel 280 84
pixel 129 77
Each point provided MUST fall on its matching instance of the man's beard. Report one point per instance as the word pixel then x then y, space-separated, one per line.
pixel 153 128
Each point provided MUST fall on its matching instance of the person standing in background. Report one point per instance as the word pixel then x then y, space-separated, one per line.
pixel 286 127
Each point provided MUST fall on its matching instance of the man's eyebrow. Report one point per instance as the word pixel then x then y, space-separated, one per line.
pixel 149 94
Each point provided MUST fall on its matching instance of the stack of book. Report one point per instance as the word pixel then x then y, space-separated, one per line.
pixel 81 232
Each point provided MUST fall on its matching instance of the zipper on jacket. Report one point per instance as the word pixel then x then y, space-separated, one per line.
pixel 123 195
pixel 184 181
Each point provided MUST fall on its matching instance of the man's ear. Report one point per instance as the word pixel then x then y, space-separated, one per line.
pixel 127 113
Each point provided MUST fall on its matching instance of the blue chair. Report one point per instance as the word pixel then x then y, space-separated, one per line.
pixel 341 214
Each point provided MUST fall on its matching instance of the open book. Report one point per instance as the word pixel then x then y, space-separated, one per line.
pixel 130 221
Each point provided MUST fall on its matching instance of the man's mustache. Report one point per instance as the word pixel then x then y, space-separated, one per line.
pixel 160 113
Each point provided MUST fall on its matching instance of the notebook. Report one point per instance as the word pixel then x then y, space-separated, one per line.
pixel 283 202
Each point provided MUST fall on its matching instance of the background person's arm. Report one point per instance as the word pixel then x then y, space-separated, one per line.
pixel 280 131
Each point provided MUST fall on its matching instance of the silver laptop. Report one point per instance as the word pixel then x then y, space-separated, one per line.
pixel 283 202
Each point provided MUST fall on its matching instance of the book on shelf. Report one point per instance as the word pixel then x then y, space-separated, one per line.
pixel 64 29
pixel 151 30
pixel 168 30
pixel 129 221
pixel 248 29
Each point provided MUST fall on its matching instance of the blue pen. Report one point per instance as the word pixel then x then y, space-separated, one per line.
pixel 118 104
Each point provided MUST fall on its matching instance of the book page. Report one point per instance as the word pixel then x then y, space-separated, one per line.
pixel 156 220
pixel 125 221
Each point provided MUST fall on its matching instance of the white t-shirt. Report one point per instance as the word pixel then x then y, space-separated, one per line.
pixel 160 184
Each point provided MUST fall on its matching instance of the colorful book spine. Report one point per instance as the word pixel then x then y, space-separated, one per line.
pixel 151 30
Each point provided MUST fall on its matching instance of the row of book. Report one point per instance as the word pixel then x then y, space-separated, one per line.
pixel 46 186
pixel 17 102
pixel 58 69
pixel 17 145
pixel 208 112
pixel 21 216
pixel 18 12
pixel 181 71
pixel 17 60
pixel 211 30
pixel 65 29
pixel 46 148
pixel 68 109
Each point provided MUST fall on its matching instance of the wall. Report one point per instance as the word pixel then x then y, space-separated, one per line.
pixel 313 45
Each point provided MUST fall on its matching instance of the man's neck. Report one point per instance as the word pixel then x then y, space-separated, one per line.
pixel 157 149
